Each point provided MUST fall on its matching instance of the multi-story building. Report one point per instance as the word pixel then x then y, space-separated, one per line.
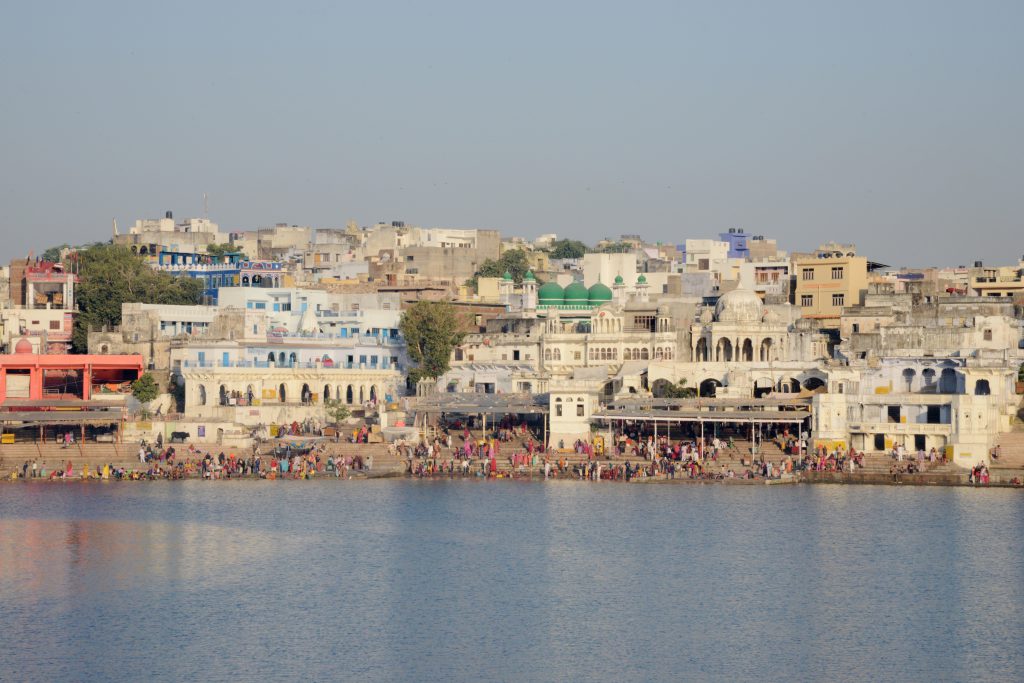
pixel 44 306
pixel 710 256
pixel 1002 281
pixel 215 272
pixel 828 280
pixel 737 241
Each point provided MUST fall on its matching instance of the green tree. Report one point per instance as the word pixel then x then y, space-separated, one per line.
pixel 144 389
pixel 615 248
pixel 336 410
pixel 513 261
pixel 53 253
pixel 666 389
pixel 432 329
pixel 568 249
pixel 218 250
pixel 111 275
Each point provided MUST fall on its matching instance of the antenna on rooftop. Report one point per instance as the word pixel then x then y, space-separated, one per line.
pixel 115 226
pixel 206 206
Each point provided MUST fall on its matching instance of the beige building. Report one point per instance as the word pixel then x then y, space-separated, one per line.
pixel 1002 281
pixel 829 280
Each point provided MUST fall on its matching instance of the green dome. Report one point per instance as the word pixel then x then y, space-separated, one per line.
pixel 642 280
pixel 550 293
pixel 576 293
pixel 599 292
pixel 529 275
pixel 619 280
pixel 506 276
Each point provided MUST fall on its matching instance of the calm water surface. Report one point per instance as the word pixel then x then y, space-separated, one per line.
pixel 478 581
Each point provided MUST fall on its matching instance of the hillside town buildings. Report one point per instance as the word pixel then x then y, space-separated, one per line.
pixel 295 318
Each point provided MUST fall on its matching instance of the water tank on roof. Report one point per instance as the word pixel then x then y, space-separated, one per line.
pixel 168 214
pixel 977 264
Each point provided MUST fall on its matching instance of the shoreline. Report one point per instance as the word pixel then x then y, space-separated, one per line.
pixel 855 480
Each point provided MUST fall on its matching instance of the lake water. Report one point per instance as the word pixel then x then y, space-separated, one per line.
pixel 398 580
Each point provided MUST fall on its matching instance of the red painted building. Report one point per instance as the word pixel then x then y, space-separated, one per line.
pixel 25 375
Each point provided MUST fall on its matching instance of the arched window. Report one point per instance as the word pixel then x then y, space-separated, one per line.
pixel 282 395
pixel 948 381
pixel 981 388
pixel 202 395
pixel 644 355
pixel 702 350
pixel 659 353
pixel 327 393
pixel 626 355
pixel 557 354
pixel 292 358
pixel 270 357
pixel 348 395
pixel 615 354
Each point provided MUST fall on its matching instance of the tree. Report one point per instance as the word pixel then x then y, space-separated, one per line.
pixel 432 330
pixel 568 249
pixel 218 250
pixel 53 253
pixel 513 261
pixel 615 248
pixel 336 410
pixel 111 275
pixel 665 389
pixel 145 390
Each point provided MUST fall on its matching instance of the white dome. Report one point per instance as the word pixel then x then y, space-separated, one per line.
pixel 739 306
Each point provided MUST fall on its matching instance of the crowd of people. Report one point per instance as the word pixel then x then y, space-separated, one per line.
pixel 510 449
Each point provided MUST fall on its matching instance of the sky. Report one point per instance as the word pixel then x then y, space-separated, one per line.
pixel 894 125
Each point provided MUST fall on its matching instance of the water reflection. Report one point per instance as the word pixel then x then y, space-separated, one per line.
pixel 474 580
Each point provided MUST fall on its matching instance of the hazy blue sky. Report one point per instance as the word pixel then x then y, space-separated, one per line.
pixel 896 125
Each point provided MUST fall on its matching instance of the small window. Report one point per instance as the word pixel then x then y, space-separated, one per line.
pixel 579 410
pixel 837 299
pixel 55 325
pixel 837 272
pixel 987 334
pixel 807 274
pixel 856 327
pixel 807 300
pixel 558 410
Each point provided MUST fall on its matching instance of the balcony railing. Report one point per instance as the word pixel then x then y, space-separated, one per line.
pixel 298 365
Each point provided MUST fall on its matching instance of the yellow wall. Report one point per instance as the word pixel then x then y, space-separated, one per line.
pixel 487 287
pixel 821 285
